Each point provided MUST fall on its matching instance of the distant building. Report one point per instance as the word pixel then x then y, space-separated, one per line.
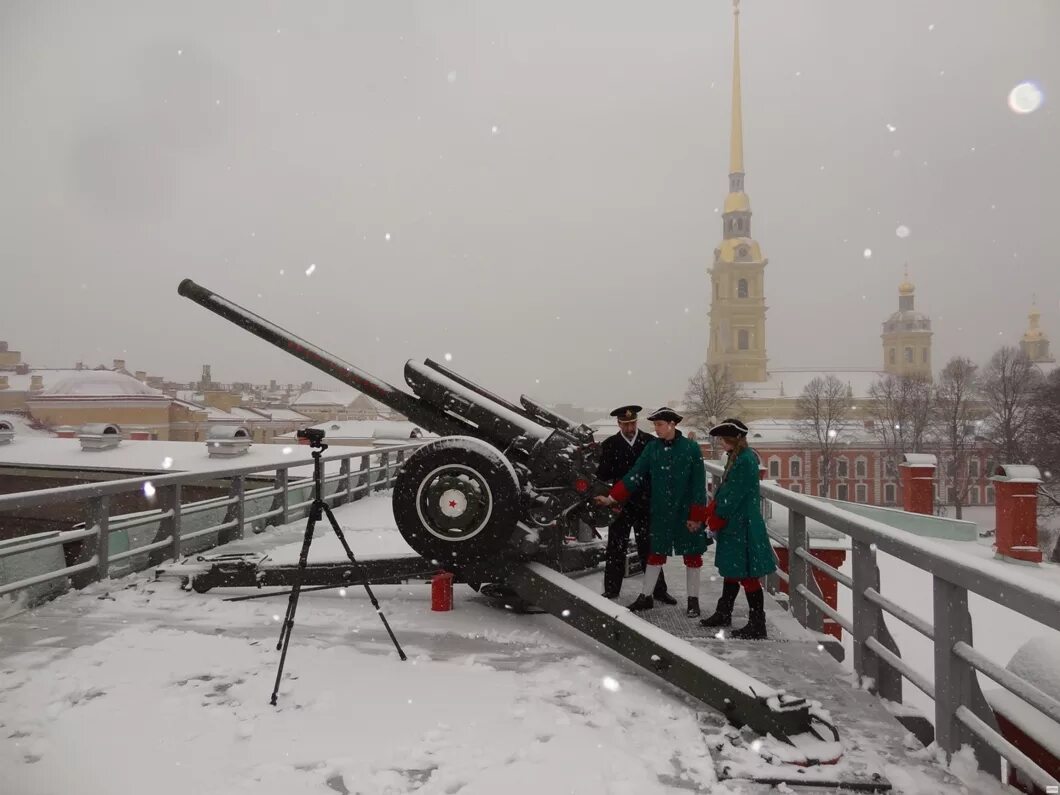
pixel 1034 342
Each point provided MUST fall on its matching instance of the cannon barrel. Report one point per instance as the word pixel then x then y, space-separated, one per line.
pixel 418 411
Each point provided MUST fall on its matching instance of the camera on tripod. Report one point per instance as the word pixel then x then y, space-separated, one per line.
pixel 315 436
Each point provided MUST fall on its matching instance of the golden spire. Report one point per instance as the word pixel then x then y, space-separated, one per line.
pixel 906 287
pixel 736 144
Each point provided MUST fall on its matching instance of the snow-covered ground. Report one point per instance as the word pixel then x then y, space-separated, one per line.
pixel 150 689
pixel 134 686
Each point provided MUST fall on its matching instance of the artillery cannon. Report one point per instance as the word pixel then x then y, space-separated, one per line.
pixel 498 487
pixel 488 501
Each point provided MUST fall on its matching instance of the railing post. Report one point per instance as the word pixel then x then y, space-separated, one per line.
pixel 98 516
pixel 239 485
pixel 797 569
pixel 284 495
pixel 234 513
pixel 956 684
pixel 344 482
pixel 869 623
pixel 171 525
pixel 380 482
pixel 364 478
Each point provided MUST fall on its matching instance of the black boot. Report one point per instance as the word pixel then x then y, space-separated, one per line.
pixel 664 597
pixel 693 607
pixel 756 626
pixel 723 612
pixel 642 602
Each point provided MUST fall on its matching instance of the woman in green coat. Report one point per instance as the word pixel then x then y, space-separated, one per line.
pixel 673 464
pixel 744 554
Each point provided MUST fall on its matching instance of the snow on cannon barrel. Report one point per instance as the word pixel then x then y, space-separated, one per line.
pixel 467 500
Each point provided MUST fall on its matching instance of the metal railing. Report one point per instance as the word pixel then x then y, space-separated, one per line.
pixel 962 714
pixel 91 552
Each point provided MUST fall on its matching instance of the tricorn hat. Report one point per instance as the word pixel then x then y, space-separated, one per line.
pixel 626 413
pixel 666 414
pixel 731 427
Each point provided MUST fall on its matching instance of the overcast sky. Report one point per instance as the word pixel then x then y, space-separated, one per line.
pixel 548 174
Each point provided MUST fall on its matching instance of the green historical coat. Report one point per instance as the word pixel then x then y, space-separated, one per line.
pixel 678 481
pixel 743 545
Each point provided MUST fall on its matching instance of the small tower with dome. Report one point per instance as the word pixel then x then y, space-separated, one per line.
pixel 907 336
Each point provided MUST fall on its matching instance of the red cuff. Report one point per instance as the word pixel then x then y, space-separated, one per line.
pixel 619 492
pixel 699 513
pixel 715 522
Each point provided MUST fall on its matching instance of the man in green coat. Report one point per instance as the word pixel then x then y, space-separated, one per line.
pixel 744 554
pixel 673 464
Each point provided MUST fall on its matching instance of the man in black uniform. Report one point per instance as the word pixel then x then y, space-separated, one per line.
pixel 618 453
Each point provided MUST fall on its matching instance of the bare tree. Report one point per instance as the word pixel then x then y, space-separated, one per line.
pixel 954 424
pixel 711 395
pixel 900 407
pixel 823 411
pixel 1009 388
pixel 1045 454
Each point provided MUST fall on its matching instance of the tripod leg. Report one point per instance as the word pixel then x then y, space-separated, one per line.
pixel 364 574
pixel 292 603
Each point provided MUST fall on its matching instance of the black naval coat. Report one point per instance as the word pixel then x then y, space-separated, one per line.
pixel 617 456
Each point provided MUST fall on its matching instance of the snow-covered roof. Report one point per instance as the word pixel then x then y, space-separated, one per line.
pixel 99 383
pixel 366 429
pixel 286 415
pixel 146 456
pixel 21 425
pixel 784 431
pixel 792 381
pixel 326 397
pixel 20 382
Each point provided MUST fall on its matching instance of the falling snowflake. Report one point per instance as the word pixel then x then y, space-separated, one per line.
pixel 1025 98
pixel 565 613
pixel 891 128
pixel 167 462
pixel 493 129
pixel 611 684
pixel 342 591
pixel 288 450
pixel 275 617
pixel 629 372
pixel 449 357
pixel 832 434
pixel 902 231
pixel 310 269
pixel 149 489
pixel 387 235
pixel 931 27
pixel 451 77
pixel 867 253
pixel 180 52
pixel 281 271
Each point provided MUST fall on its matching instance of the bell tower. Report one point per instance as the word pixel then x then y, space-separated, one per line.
pixel 737 277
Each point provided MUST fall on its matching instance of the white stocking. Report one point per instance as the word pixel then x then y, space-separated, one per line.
pixel 692 580
pixel 651 576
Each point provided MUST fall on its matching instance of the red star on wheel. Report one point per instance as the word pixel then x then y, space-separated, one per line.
pixel 452 503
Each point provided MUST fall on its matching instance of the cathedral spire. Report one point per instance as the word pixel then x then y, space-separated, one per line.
pixel 736 142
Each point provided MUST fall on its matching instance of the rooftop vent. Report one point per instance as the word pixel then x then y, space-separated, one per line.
pixel 7 431
pixel 227 441
pixel 99 436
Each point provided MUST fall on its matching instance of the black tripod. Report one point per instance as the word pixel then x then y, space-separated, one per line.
pixel 318 508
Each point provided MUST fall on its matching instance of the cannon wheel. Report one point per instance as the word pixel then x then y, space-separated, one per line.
pixel 456 501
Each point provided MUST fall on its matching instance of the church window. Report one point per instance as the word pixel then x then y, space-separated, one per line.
pixel 862 493
pixel 842 492
pixel 860 469
pixel 908 355
pixel 741 288
pixel 774 468
pixel 795 467
pixel 888 494
pixel 743 339
pixel 841 468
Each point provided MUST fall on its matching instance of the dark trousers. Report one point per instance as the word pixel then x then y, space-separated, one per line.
pixel 617 546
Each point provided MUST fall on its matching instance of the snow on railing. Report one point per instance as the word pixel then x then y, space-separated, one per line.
pixel 962 714
pixel 91 550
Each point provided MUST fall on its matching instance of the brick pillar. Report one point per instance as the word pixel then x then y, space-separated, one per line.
pixel 828 586
pixel 1016 512
pixel 918 483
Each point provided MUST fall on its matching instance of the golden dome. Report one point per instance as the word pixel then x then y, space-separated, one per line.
pixel 906 287
pixel 737 202
pixel 738 249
